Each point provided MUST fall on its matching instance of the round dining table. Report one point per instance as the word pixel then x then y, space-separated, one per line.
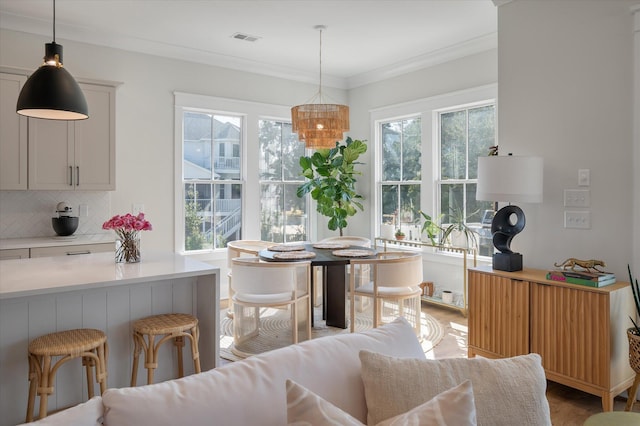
pixel 334 277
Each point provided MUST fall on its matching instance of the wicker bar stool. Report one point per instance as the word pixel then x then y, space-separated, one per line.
pixel 170 326
pixel 85 343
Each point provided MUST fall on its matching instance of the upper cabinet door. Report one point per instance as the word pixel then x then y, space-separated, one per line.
pixel 76 155
pixel 13 135
pixel 94 154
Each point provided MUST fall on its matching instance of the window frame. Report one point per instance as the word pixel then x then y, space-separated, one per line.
pixel 251 112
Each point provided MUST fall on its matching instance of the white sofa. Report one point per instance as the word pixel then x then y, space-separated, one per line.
pixel 253 391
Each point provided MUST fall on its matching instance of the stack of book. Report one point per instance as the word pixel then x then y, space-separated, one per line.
pixel 591 279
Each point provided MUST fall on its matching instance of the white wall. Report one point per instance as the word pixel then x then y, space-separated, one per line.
pixel 145 113
pixel 565 79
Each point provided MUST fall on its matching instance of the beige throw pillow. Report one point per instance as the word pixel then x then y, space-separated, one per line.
pixel 451 408
pixel 507 392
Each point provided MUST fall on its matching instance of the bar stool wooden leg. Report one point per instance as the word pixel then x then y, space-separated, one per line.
pixel 89 364
pixel 136 356
pixel 179 344
pixel 44 389
pixel 103 356
pixel 34 381
pixel 195 352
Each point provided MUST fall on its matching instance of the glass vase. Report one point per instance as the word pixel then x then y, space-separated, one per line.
pixel 128 248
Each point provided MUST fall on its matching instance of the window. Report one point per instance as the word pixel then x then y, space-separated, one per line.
pixel 212 187
pixel 236 174
pixel 465 133
pixel 426 159
pixel 401 171
pixel 283 216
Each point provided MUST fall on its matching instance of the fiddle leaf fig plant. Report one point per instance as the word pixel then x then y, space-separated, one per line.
pixel 330 175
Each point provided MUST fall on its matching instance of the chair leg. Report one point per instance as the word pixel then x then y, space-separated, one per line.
pixel 136 355
pixel 631 399
pixel 34 381
pixel 89 364
pixel 195 352
pixel 179 344
pixel 44 389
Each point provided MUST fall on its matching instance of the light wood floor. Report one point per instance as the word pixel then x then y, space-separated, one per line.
pixel 569 407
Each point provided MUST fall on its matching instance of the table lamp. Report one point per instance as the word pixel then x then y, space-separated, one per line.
pixel 511 179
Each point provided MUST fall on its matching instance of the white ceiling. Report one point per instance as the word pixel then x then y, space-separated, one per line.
pixel 365 40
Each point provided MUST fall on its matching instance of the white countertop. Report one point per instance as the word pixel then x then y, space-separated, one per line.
pixel 44 275
pixel 55 241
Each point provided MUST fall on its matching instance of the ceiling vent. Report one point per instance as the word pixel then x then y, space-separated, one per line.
pixel 245 37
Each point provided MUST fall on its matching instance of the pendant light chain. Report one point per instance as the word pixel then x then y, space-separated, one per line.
pixel 320 87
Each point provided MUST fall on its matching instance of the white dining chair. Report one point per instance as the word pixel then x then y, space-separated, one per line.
pixel 241 248
pixel 393 285
pixel 276 290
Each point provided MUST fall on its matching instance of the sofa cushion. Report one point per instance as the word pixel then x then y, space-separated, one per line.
pixel 252 391
pixel 88 413
pixel 507 392
pixel 453 407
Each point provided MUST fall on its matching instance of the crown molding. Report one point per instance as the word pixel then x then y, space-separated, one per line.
pixel 498 3
pixel 132 44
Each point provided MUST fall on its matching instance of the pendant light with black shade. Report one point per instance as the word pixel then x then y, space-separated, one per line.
pixel 51 92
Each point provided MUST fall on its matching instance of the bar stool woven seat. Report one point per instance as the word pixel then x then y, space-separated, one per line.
pixel 169 326
pixel 86 343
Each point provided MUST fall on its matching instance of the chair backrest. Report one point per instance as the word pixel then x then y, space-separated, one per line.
pixel 251 276
pixel 351 240
pixel 394 269
pixel 240 248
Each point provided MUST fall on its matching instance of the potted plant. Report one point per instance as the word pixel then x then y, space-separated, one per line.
pixel 432 227
pixel 399 234
pixel 633 335
pixel 330 175
pixel 458 228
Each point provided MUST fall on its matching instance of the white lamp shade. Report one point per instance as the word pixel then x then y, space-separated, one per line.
pixel 510 179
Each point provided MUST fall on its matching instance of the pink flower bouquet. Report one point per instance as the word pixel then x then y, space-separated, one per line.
pixel 127 228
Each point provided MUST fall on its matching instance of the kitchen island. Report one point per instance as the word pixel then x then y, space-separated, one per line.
pixel 44 295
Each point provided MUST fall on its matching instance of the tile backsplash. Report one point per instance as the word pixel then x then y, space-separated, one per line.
pixel 26 214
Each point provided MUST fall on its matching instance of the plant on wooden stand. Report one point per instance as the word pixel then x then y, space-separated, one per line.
pixel 633 334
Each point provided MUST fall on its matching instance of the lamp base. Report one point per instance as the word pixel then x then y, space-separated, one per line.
pixel 509 262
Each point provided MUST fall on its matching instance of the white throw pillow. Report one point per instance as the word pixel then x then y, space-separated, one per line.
pixel 507 392
pixel 453 407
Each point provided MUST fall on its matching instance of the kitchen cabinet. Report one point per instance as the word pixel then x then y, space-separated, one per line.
pixel 71 250
pixel 579 331
pixel 75 155
pixel 14 254
pixel 13 135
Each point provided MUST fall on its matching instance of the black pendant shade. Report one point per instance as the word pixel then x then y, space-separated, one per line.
pixel 51 92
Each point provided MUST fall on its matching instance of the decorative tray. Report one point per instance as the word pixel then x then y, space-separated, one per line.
pixel 294 255
pixel 353 253
pixel 285 248
pixel 331 246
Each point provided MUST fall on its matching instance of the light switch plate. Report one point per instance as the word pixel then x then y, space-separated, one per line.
pixel 577 198
pixel 577 219
pixel 584 177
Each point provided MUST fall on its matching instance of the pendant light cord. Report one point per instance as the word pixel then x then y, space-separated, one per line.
pixel 54 21
pixel 320 88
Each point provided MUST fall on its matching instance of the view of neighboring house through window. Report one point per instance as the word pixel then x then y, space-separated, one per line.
pixel 283 216
pixel 401 169
pixel 465 133
pixel 212 179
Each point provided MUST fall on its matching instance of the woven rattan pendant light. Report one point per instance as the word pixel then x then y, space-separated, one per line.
pixel 51 92
pixel 320 125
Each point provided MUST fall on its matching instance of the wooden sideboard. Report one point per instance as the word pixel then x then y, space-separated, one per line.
pixel 579 331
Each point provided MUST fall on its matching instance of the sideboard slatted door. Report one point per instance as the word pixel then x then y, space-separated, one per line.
pixel 498 316
pixel 566 325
